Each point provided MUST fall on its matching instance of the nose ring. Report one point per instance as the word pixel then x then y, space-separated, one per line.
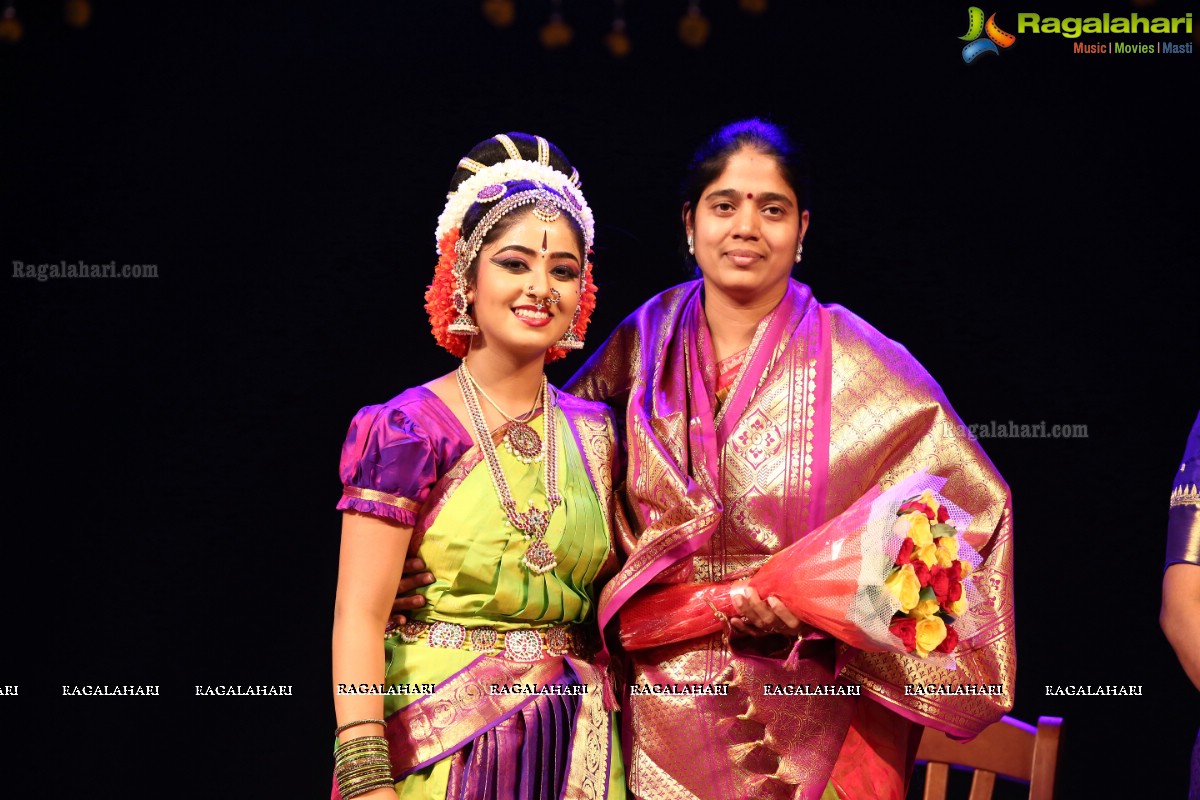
pixel 546 302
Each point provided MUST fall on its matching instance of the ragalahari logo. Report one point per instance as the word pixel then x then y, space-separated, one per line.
pixel 976 27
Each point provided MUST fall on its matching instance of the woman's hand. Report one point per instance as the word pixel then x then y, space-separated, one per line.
pixel 414 578
pixel 760 617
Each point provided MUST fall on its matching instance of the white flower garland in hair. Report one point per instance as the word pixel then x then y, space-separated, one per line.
pixel 459 201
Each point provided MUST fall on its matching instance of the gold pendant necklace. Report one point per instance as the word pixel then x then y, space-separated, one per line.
pixel 520 440
pixel 534 521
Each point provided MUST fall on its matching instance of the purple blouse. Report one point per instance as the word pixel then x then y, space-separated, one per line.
pixel 395 452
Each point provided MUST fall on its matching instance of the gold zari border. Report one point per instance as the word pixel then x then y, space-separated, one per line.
pixel 1185 496
pixel 395 501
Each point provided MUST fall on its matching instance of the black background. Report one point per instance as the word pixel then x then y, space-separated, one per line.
pixel 1023 224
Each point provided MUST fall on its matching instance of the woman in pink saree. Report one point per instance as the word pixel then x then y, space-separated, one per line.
pixel 751 415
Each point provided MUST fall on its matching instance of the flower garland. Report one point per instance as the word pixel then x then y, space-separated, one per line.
pixel 439 302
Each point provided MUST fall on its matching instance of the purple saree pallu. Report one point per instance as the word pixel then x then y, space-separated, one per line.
pixel 537 739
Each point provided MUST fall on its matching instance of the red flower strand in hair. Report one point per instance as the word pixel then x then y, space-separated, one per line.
pixel 439 298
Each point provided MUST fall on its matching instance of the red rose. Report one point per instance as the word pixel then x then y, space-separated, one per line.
pixel 906 550
pixel 906 630
pixel 955 570
pixel 954 592
pixel 922 572
pixel 913 505
pixel 949 642
pixel 943 514
pixel 939 579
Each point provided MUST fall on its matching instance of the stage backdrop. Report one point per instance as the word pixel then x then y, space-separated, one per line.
pixel 271 174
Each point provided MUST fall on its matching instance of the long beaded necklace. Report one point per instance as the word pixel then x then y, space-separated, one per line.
pixel 533 522
pixel 520 440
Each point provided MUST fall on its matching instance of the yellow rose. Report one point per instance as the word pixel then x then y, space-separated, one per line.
pixel 928 499
pixel 957 608
pixel 930 633
pixel 926 608
pixel 927 554
pixel 947 550
pixel 904 584
pixel 966 569
pixel 914 525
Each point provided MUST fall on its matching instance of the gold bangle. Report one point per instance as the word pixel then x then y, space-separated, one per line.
pixel 352 793
pixel 356 723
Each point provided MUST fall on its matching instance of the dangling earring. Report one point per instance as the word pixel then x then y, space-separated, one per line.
pixel 570 340
pixel 463 325
pixel 799 252
pixel 691 245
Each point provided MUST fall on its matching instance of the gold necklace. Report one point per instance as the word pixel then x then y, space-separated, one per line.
pixel 533 522
pixel 520 440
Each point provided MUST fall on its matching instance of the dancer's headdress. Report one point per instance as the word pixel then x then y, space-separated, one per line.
pixel 506 186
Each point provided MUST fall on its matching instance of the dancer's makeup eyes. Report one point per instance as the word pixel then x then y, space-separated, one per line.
pixel 510 263
pixel 566 272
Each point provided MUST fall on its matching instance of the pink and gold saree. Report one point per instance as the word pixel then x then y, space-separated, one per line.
pixel 823 408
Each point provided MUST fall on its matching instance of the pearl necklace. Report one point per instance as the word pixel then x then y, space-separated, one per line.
pixel 539 558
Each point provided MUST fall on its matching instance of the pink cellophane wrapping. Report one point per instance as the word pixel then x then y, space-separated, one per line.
pixel 832 579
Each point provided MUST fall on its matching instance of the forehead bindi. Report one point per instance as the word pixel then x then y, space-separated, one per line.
pixel 752 174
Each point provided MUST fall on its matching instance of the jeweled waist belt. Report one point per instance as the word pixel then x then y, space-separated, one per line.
pixel 520 644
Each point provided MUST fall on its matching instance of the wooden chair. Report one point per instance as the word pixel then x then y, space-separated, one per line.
pixel 1009 748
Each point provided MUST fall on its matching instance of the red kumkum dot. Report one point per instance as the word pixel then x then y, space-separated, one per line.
pixel 749 195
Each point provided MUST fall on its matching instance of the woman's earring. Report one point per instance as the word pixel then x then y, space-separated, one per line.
pixel 463 325
pixel 691 245
pixel 570 340
pixel 799 252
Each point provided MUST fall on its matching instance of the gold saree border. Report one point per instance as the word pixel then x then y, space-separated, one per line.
pixel 1185 496
pixel 587 774
pixel 376 496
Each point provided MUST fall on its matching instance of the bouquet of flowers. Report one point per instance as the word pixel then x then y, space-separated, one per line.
pixel 927 577
pixel 889 574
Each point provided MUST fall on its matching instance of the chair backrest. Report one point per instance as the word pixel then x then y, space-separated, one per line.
pixel 1009 748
